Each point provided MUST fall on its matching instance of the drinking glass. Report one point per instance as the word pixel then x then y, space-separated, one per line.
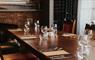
pixel 26 30
pixel 83 47
pixel 37 27
pixel 55 28
pixel 44 39
pixel 27 26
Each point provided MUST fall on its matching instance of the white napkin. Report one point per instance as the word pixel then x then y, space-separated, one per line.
pixel 28 37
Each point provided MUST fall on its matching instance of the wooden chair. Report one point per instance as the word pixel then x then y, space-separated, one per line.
pixel 69 26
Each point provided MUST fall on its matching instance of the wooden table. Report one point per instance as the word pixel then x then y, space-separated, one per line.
pixel 20 51
pixel 34 43
pixel 55 53
pixel 20 56
pixel 69 42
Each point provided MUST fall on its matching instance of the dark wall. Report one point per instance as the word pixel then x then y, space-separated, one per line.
pixel 62 9
pixel 18 17
pixel 44 12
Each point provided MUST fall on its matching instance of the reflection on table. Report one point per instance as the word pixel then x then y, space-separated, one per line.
pixel 13 48
pixel 47 48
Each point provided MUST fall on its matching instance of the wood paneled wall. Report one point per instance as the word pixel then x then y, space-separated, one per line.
pixel 17 17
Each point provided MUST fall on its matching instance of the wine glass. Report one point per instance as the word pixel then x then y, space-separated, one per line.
pixel 44 39
pixel 53 38
pixel 27 26
pixel 83 47
pixel 55 28
pixel 37 27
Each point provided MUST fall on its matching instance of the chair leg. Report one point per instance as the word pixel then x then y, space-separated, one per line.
pixel 73 28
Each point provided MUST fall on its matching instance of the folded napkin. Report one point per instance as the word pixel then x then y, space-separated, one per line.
pixel 15 29
pixel 55 53
pixel 68 34
pixel 28 37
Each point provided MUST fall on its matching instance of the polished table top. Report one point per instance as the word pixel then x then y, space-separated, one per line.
pixel 16 49
pixel 20 56
pixel 33 40
pixel 66 42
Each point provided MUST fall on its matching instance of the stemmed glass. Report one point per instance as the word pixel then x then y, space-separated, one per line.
pixel 26 30
pixel 44 39
pixel 27 26
pixel 37 27
pixel 55 28
pixel 83 47
pixel 45 32
pixel 79 51
pixel 53 38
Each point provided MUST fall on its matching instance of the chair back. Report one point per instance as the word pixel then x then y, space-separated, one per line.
pixel 69 26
